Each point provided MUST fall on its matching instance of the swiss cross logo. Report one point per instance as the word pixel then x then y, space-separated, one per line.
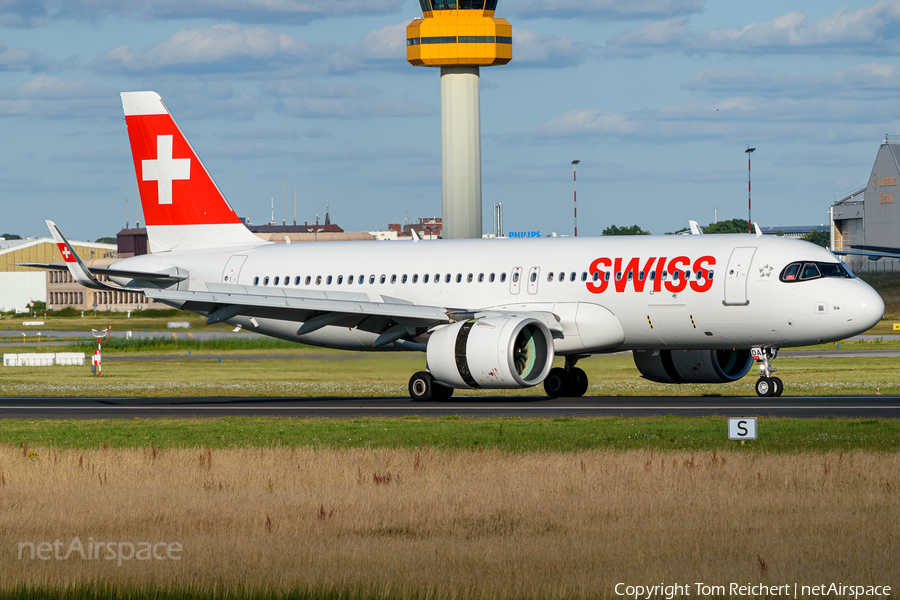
pixel 67 254
pixel 164 169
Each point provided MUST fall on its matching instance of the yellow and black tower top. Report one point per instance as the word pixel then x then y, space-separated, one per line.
pixel 458 33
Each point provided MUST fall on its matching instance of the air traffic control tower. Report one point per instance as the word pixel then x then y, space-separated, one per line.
pixel 459 36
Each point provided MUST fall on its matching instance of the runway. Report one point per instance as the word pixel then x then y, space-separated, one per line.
pixel 147 408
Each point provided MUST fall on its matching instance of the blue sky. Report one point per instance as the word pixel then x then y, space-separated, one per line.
pixel 657 98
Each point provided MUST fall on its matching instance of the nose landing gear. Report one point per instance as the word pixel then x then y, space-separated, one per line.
pixel 766 385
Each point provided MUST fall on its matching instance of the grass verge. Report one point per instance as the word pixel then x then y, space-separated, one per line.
pixel 333 373
pixel 442 523
pixel 564 434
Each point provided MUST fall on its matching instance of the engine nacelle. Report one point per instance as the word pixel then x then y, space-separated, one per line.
pixel 495 352
pixel 693 366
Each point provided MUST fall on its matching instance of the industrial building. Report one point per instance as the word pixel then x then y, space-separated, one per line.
pixel 21 285
pixel 869 216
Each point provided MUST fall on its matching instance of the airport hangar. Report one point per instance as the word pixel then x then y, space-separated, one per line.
pixel 870 215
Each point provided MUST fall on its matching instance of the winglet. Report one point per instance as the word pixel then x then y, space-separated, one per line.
pixel 758 230
pixel 77 269
pixel 695 228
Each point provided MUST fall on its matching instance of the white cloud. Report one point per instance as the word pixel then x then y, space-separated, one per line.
pixel 346 108
pixel 32 13
pixel 609 10
pixel 734 119
pixel 22 59
pixel 219 48
pixel 46 96
pixel 533 49
pixel 868 80
pixel 869 30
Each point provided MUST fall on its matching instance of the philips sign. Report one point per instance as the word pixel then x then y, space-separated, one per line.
pixel 524 234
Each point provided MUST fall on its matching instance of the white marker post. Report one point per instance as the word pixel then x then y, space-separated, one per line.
pixel 97 361
pixel 742 428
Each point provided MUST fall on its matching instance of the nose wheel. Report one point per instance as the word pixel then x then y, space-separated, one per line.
pixel 767 386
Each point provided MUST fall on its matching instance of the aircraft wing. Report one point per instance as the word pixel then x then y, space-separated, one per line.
pixel 390 318
pixel 872 252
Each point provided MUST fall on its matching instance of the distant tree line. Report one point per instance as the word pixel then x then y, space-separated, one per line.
pixel 616 230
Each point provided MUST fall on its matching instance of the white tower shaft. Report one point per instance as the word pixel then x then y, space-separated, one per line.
pixel 461 152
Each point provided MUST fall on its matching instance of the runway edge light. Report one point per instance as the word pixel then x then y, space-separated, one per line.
pixel 742 428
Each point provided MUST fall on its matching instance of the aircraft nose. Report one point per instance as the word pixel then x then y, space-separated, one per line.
pixel 866 305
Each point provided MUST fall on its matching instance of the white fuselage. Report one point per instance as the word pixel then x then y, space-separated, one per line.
pixel 741 305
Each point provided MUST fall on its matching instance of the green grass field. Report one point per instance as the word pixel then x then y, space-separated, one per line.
pixel 331 373
pixel 564 434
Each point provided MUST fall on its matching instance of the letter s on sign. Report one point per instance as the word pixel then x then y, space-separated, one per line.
pixel 592 287
pixel 708 261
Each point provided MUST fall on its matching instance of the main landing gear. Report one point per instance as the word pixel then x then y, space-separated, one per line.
pixel 568 382
pixel 766 385
pixel 423 388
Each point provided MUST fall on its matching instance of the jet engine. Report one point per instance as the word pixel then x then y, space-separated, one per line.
pixel 495 352
pixel 693 366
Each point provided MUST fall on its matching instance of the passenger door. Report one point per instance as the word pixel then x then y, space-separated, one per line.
pixel 233 269
pixel 736 276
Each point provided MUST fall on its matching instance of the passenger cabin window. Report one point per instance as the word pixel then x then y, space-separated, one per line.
pixel 277 279
pixel 371 279
pixel 596 275
pixel 287 280
pixel 425 278
pixel 256 281
pixel 403 279
pixel 266 280
pixel 533 277
pixel 318 280
pixel 584 275
pixel 572 276
pixel 383 279
pixel 297 280
pixel 562 276
pixel 469 278
pixel 550 276
pixel 516 277
pixel 340 279
pixel 328 281
pixel 447 278
pixel 350 280
pixel 393 279
pixel 481 278
pixel 415 278
pixel 362 278
pixel 459 278
pixel 308 279
pixel 502 277
pixel 491 278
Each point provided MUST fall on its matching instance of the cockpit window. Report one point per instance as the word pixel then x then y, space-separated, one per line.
pixel 805 271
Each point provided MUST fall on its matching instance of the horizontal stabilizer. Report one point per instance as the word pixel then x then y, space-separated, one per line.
pixel 142 275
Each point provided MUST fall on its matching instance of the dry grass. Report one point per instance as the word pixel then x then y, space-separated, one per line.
pixel 457 524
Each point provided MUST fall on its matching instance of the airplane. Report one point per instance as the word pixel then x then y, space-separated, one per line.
pixel 488 313
pixel 873 253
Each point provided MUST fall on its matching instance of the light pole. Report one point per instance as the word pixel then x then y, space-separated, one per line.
pixel 575 193
pixel 749 152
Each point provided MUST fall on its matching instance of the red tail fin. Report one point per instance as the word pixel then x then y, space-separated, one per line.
pixel 183 207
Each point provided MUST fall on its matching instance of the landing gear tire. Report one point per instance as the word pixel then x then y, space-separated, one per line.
pixel 765 387
pixel 440 393
pixel 423 388
pixel 579 383
pixel 559 383
pixel 779 386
